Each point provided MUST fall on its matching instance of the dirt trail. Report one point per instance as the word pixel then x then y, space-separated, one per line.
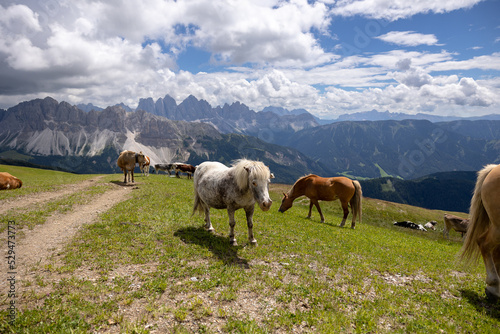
pixel 33 251
pixel 36 198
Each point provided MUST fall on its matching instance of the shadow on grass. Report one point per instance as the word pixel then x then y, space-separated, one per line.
pixel 122 184
pixel 218 245
pixel 326 222
pixel 482 303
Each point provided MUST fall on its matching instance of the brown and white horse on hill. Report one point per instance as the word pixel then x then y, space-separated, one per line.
pixel 483 233
pixel 145 165
pixel 185 168
pixel 318 188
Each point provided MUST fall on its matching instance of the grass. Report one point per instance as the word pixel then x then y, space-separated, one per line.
pixel 38 180
pixel 148 265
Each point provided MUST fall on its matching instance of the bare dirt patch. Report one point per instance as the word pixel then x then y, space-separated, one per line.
pixel 42 197
pixel 34 250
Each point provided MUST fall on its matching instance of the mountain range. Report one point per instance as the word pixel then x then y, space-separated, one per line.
pixel 407 149
pixel 193 131
pixel 269 125
pixel 375 115
pixel 46 132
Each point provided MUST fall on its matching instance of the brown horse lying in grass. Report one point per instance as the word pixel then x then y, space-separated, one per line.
pixel 483 233
pixel 8 181
pixel 318 188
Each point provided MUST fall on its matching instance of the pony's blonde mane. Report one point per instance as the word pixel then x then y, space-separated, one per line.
pixel 243 169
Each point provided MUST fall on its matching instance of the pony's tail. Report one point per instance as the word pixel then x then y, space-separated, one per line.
pixel 356 200
pixel 198 204
pixel 478 218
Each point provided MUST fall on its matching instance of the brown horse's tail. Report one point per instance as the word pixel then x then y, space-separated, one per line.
pixel 356 205
pixel 478 218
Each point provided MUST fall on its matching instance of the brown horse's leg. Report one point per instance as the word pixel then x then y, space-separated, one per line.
pixel 316 203
pixel 354 216
pixel 446 232
pixel 125 176
pixel 487 246
pixel 249 213
pixel 345 208
pixel 310 209
pixel 232 223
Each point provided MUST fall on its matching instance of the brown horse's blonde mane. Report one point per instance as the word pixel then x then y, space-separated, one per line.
pixel 290 192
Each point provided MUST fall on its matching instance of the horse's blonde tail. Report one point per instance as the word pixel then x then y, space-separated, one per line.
pixel 356 200
pixel 478 218
pixel 198 204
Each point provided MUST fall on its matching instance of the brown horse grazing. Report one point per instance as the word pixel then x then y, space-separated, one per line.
pixel 326 189
pixel 483 233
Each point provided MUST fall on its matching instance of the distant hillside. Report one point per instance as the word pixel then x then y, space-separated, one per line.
pixel 449 191
pixel 407 149
pixel 479 129
pixel 375 115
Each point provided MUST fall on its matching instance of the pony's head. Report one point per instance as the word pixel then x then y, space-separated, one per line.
pixel 286 203
pixel 254 176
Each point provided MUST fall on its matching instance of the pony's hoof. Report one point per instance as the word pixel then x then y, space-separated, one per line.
pixel 210 229
pixel 233 243
pixel 252 242
pixel 491 296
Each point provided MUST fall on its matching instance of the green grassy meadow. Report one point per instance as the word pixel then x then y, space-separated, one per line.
pixel 148 266
pixel 37 180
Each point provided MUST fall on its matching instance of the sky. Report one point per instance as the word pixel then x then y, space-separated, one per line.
pixel 329 57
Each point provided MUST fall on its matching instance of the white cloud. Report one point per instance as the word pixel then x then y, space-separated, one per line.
pixel 487 62
pixel 233 31
pixel 413 78
pixel 394 10
pixel 262 32
pixel 408 38
pixel 19 19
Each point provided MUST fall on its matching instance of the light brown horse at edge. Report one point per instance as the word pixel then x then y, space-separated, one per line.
pixel 483 233
pixel 318 188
